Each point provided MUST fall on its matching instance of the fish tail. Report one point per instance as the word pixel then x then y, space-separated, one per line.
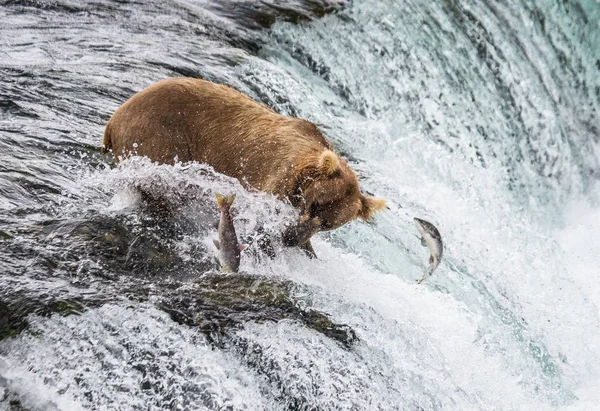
pixel 224 201
pixel 426 274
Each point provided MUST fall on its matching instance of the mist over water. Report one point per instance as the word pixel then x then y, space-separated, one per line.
pixel 481 117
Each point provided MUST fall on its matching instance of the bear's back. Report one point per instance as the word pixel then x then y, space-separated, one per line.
pixel 195 120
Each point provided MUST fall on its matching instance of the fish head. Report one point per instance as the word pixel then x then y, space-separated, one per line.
pixel 299 233
pixel 426 229
pixel 420 226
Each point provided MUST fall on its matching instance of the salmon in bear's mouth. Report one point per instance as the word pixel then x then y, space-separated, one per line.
pixel 298 234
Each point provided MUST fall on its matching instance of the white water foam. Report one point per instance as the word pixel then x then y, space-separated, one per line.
pixel 123 357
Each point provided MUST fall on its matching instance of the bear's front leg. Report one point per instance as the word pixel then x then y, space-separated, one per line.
pixel 308 249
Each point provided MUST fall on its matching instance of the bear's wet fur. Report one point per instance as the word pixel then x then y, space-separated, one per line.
pixel 186 119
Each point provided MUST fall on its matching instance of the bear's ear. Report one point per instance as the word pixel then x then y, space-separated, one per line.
pixel 329 162
pixel 369 205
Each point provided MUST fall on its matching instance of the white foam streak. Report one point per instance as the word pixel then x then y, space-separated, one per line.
pixel 419 329
pixel 117 357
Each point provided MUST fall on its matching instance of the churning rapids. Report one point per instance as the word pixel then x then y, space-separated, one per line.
pixel 479 116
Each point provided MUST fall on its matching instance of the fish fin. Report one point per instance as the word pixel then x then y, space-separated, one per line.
pixel 427 273
pixel 430 259
pixel 217 244
pixel 219 199
pixel 242 247
pixel 423 242
pixel 224 200
pixel 216 224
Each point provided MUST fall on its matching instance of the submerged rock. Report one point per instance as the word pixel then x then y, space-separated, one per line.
pixel 217 303
pixel 15 308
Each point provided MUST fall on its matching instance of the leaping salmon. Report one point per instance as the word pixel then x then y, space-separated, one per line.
pixel 430 236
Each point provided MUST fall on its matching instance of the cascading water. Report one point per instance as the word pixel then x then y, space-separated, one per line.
pixel 481 117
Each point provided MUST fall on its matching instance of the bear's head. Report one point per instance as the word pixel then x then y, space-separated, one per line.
pixel 328 195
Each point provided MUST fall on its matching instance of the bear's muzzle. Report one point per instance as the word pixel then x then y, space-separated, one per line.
pixel 299 233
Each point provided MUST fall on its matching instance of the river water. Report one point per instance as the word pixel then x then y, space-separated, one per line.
pixel 479 116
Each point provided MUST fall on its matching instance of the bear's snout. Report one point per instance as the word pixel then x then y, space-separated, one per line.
pixel 298 234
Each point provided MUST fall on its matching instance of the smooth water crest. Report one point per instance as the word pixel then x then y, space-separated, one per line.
pixel 481 117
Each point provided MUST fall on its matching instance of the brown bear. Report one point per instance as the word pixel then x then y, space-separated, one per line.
pixel 186 119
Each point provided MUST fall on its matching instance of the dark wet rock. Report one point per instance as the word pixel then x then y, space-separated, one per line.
pixel 10 324
pixel 15 308
pixel 146 248
pixel 218 304
pixel 15 405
